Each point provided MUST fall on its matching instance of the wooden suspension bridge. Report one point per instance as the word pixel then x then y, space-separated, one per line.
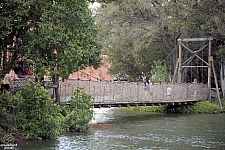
pixel 124 94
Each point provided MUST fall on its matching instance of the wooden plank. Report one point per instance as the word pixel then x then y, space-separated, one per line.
pixel 194 66
pixel 194 39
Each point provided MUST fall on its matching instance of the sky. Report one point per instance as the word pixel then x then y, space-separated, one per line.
pixel 94 5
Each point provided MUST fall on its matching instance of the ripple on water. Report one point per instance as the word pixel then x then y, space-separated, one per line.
pixel 143 132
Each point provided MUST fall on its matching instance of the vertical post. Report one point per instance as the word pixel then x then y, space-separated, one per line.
pixel 175 72
pixel 179 63
pixel 100 91
pixel 209 71
pixel 114 85
pixel 217 88
pixel 104 95
pixel 137 89
pixel 89 86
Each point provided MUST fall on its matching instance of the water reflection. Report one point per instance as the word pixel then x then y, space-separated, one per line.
pixel 120 129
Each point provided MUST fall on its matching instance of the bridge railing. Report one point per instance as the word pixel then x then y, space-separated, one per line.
pixel 113 92
pixel 18 84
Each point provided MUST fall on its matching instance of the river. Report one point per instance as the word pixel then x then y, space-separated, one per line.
pixel 119 129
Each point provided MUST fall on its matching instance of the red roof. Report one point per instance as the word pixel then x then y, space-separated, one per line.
pixel 91 74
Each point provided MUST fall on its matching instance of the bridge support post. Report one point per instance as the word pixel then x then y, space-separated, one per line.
pixel 210 59
pixel 179 63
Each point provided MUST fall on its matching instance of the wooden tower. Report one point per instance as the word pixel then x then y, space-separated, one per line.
pixel 184 63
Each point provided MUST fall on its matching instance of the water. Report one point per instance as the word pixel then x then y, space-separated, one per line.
pixel 118 129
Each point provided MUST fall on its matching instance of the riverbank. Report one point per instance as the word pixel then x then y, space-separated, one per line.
pixel 200 107
pixel 31 114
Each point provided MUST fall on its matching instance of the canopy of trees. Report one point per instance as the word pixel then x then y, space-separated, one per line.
pixel 60 37
pixel 138 33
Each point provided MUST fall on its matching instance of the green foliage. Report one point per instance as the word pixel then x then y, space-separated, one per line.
pixel 159 109
pixel 59 36
pixel 13 32
pixel 9 118
pixel 153 27
pixel 160 72
pixel 8 111
pixel 39 116
pixel 79 112
pixel 201 107
pixel 130 37
pixel 32 113
pixel 2 133
pixel 66 39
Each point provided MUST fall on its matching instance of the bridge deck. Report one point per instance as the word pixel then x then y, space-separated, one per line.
pixel 147 103
pixel 124 94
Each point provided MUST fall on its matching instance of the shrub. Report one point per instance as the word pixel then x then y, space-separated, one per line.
pixel 200 107
pixel 79 112
pixel 206 107
pixel 32 113
pixel 8 113
pixel 159 109
pixel 39 116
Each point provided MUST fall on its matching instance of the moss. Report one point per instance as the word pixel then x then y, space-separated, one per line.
pixel 160 109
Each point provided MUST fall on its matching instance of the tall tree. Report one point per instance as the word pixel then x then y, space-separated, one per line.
pixel 13 27
pixel 163 22
pixel 128 37
pixel 63 38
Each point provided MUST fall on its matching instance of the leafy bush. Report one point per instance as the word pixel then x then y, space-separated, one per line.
pixel 8 113
pixel 206 107
pixel 79 112
pixel 39 116
pixel 32 113
pixel 159 109
pixel 200 107
pixel 2 133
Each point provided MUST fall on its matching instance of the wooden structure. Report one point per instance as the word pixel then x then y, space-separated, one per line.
pixel 124 94
pixel 183 63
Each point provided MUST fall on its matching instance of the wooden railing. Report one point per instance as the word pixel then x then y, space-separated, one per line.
pixel 105 91
pixel 114 92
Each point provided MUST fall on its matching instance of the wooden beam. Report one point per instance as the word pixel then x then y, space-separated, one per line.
pixel 217 89
pixel 194 39
pixel 194 66
pixel 195 53
pixel 209 71
pixel 187 61
pixel 175 72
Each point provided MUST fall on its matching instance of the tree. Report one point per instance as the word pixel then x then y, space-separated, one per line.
pixel 63 38
pixel 13 27
pixel 163 22
pixel 128 37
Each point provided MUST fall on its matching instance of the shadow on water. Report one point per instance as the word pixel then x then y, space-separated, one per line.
pixel 123 129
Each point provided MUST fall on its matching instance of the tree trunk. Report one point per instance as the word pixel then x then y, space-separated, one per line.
pixel 56 90
pixel 4 57
pixel 222 77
